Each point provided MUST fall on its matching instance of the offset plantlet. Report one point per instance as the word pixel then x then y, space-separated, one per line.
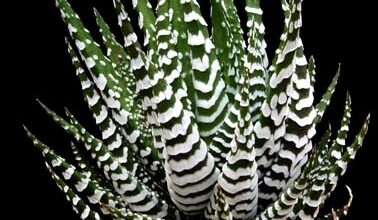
pixel 198 123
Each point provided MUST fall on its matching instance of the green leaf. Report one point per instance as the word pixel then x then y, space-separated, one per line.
pixel 282 207
pixel 326 98
pixel 188 164
pixel 136 193
pixel 255 24
pixel 256 59
pixel 146 23
pixel 238 180
pixel 116 53
pixel 220 145
pixel 296 142
pixel 229 43
pixel 323 181
pixel 180 30
pixel 339 167
pixel 308 205
pixel 218 207
pixel 120 141
pixel 211 101
pixel 79 205
pixel 83 184
pixel 330 172
pixel 271 127
pixel 107 80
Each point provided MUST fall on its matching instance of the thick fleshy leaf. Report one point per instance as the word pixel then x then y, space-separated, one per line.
pixel 180 30
pixel 296 142
pixel 282 208
pixel 111 134
pixel 238 180
pixel 312 70
pixel 211 102
pixel 229 43
pixel 79 205
pixel 84 185
pixel 220 145
pixel 338 145
pixel 170 91
pixel 330 173
pixel 116 53
pixel 143 69
pixel 256 60
pixel 190 170
pixel 218 207
pixel 254 16
pixel 88 169
pixel 133 191
pixel 121 142
pixel 271 127
pixel 326 98
pixel 139 59
pixel 265 127
pixel 192 124
pixel 307 205
pixel 339 167
pixel 317 192
pixel 146 21
pixel 69 172
pixel 107 80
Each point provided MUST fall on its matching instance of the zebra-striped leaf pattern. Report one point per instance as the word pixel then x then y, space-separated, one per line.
pixel 196 120
pixel 238 180
pixel 228 42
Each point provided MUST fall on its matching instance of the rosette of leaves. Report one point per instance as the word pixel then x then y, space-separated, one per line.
pixel 198 122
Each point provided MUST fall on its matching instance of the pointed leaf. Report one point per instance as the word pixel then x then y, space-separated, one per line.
pixel 134 192
pixel 238 180
pixel 229 43
pixel 326 98
pixel 210 98
pixel 271 127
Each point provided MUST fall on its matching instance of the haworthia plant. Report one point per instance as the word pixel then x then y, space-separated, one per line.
pixel 196 122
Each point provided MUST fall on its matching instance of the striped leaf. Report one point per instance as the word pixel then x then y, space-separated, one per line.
pixel 123 146
pixel 296 142
pixel 326 98
pixel 238 180
pixel 256 60
pixel 190 170
pixel 196 123
pixel 210 98
pixel 116 53
pixel 271 127
pixel 282 208
pixel 229 43
pixel 133 191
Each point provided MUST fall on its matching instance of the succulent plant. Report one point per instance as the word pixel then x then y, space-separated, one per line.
pixel 197 123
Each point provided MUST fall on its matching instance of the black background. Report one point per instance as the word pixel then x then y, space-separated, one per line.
pixel 333 31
